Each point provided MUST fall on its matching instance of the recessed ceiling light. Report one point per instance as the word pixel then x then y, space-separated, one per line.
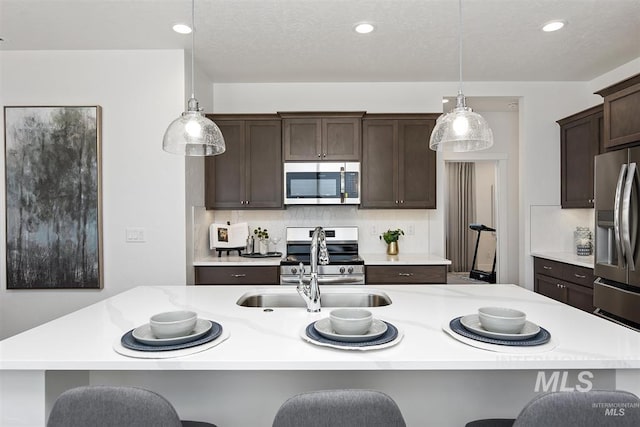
pixel 364 28
pixel 182 29
pixel 553 25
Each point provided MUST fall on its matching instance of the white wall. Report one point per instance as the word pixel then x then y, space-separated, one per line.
pixel 140 92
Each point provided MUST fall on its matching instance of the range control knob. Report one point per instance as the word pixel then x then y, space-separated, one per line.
pixel 350 270
pixel 341 270
pixel 294 270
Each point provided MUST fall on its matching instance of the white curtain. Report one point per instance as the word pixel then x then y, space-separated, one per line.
pixel 462 212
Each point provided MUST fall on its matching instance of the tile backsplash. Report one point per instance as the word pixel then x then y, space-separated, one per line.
pixel 552 227
pixel 371 223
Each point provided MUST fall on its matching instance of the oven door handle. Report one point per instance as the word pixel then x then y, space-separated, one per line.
pixel 342 184
pixel 322 280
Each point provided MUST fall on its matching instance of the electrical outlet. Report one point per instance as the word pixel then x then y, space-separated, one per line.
pixel 134 235
pixel 411 230
pixel 373 231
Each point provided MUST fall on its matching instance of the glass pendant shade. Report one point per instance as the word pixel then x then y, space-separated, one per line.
pixel 192 134
pixel 461 130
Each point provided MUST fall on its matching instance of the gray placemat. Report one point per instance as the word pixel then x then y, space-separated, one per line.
pixel 128 341
pixel 390 335
pixel 540 338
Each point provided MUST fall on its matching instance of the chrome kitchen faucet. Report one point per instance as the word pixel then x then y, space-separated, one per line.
pixel 319 254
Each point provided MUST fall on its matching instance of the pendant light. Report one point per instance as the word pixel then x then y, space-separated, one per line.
pixel 192 134
pixel 461 129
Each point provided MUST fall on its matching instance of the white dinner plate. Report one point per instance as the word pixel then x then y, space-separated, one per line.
pixel 377 329
pixel 144 335
pixel 472 323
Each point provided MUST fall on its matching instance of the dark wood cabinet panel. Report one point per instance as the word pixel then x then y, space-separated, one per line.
pixel 379 164
pixel 622 113
pixel 322 136
pixel 580 141
pixel 263 159
pixel 567 283
pixel 550 287
pixel 249 174
pixel 237 275
pixel 417 164
pixel 406 274
pixel 398 168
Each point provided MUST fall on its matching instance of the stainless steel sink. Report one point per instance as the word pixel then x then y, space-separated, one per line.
pixel 341 297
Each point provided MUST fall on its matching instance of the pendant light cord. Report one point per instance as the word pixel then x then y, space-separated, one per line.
pixel 193 46
pixel 460 43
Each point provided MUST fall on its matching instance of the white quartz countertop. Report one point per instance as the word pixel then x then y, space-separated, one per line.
pixel 403 259
pixel 369 259
pixel 262 340
pixel 566 257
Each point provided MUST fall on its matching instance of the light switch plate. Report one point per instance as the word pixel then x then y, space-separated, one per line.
pixel 134 235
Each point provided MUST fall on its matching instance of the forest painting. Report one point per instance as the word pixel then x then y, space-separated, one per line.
pixel 52 157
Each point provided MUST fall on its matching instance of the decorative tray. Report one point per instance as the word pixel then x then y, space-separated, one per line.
pixel 267 255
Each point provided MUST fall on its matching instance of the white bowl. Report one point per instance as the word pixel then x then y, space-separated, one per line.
pixel 350 321
pixel 501 319
pixel 173 324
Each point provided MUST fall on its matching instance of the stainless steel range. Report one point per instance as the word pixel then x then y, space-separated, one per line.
pixel 345 266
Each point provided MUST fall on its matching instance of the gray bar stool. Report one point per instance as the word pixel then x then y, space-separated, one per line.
pixel 340 408
pixel 115 406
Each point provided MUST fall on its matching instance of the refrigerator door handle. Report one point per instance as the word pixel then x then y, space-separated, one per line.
pixel 616 215
pixel 626 217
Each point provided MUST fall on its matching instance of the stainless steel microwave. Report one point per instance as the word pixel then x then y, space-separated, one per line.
pixel 322 183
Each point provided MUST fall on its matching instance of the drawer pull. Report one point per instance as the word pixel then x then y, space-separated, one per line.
pixel 238 275
pixel 546 267
pixel 405 274
pixel 579 276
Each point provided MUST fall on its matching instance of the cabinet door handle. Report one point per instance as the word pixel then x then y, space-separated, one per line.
pixel 246 202
pixel 546 267
pixel 242 202
pixel 396 202
pixel 319 155
pixel 405 274
pixel 579 276
pixel 324 155
pixel 238 275
pixel 401 201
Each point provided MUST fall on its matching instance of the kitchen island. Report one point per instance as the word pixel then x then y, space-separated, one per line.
pixel 243 380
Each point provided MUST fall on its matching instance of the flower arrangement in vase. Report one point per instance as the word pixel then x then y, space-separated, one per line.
pixel 263 240
pixel 391 239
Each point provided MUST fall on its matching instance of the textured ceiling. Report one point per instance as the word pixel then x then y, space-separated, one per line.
pixel 313 40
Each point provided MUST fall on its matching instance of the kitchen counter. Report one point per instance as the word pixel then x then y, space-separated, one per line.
pixel 403 259
pixel 566 257
pixel 265 360
pixel 369 259
pixel 231 260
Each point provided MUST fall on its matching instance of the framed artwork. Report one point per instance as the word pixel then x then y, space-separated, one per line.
pixel 53 197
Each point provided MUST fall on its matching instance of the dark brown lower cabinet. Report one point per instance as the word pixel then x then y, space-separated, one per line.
pixel 405 274
pixel 232 275
pixel 567 283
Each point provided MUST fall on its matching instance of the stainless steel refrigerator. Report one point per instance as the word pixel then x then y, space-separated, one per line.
pixel 617 255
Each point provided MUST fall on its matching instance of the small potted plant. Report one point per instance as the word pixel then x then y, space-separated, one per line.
pixel 391 239
pixel 263 240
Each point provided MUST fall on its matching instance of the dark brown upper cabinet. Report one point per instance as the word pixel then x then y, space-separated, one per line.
pixel 581 139
pixel 398 168
pixel 622 113
pixel 248 175
pixel 322 136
